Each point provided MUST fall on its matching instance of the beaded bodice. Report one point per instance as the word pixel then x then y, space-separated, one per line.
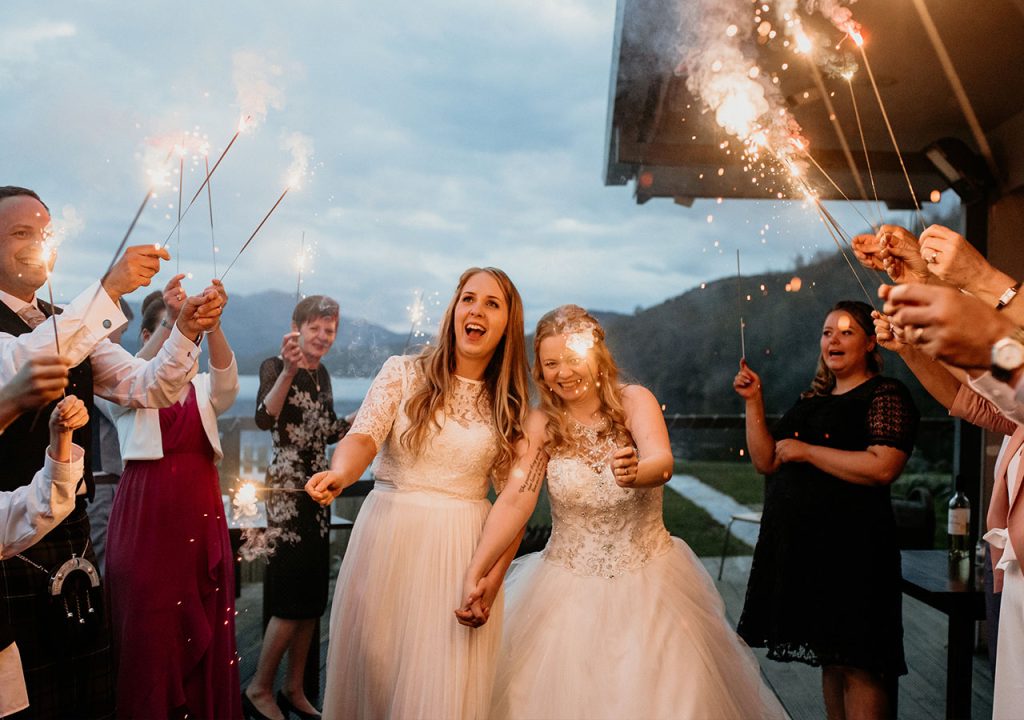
pixel 455 460
pixel 599 528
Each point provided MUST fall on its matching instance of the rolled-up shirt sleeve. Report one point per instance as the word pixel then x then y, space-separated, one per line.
pixel 31 511
pixel 1004 397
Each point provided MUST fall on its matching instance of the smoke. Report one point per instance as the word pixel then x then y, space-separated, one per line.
pixel 301 148
pixel 256 86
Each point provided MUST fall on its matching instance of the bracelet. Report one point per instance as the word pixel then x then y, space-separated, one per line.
pixel 1007 296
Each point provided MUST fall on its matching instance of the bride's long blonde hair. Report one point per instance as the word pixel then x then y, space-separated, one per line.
pixel 505 377
pixel 577 324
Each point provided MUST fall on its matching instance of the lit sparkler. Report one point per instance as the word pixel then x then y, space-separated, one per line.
pixel 300 262
pixel 739 297
pixel 417 313
pixel 253 235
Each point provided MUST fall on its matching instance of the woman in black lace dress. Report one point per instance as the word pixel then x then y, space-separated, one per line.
pixel 295 402
pixel 824 586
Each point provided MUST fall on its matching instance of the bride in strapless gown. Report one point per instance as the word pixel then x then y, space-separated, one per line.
pixel 615 618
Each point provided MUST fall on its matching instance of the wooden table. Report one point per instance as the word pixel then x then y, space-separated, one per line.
pixel 926 577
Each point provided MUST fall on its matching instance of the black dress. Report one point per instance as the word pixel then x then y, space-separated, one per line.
pixel 295 584
pixel 824 585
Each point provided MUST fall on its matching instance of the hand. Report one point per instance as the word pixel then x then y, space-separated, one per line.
pixel 790 450
pixel 38 382
pixel 747 383
pixel 866 249
pixel 135 269
pixel 324 487
pixel 624 466
pixel 901 256
pixel 473 612
pixel 946 324
pixel 217 288
pixel 955 261
pixel 68 415
pixel 888 334
pixel 174 295
pixel 291 353
pixel 200 313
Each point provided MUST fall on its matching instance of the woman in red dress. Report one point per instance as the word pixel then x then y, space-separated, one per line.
pixel 170 575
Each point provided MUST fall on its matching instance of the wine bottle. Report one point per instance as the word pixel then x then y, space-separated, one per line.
pixel 958 527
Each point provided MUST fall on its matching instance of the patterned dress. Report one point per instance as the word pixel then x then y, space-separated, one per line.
pixel 295 584
pixel 824 585
pixel 396 651
pixel 616 618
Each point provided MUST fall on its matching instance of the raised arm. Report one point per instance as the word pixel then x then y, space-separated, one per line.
pixel 274 391
pixel 760 442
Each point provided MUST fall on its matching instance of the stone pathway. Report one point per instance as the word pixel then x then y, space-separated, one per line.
pixel 718 505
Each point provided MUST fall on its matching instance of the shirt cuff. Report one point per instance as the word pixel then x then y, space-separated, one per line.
pixel 104 315
pixel 181 347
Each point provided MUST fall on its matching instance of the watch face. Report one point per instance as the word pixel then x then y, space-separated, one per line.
pixel 1008 354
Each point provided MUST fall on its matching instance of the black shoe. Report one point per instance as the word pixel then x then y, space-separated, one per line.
pixel 289 709
pixel 251 712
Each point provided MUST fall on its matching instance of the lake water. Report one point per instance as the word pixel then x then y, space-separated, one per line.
pixel 348 393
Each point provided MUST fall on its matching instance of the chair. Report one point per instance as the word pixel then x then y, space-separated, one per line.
pixel 747 517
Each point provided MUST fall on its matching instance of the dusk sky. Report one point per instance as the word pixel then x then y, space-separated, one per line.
pixel 443 135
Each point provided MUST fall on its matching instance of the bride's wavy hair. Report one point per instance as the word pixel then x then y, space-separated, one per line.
pixel 505 378
pixel 824 381
pixel 584 335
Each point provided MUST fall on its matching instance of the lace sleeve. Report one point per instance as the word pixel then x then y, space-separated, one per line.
pixel 269 371
pixel 892 417
pixel 380 406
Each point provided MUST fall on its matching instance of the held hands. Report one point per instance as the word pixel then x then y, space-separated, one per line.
pixel 324 487
pixel 888 334
pixel 901 255
pixel 291 353
pixel 747 383
pixel 479 595
pixel 201 313
pixel 955 261
pixel 625 464
pixel 134 269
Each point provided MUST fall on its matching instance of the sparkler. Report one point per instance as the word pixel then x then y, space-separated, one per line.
pixel 181 183
pixel 848 76
pixel 209 202
pixel 300 260
pixel 264 220
pixel 242 125
pixel 417 312
pixel 739 298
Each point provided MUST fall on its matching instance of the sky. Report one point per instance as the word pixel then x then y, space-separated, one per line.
pixel 439 136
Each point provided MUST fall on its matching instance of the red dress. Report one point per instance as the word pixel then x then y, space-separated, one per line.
pixel 170 580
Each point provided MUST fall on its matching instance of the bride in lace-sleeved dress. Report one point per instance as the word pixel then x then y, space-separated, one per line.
pixel 441 425
pixel 614 618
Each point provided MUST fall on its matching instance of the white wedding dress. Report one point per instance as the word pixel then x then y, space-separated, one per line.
pixel 615 618
pixel 396 649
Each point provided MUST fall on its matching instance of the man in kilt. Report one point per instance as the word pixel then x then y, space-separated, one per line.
pixel 56 615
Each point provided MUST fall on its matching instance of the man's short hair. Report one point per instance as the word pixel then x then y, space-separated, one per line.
pixel 7 191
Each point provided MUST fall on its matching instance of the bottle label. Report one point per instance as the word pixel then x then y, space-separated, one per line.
pixel 959 521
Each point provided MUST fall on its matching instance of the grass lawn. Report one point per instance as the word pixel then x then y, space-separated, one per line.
pixel 738 480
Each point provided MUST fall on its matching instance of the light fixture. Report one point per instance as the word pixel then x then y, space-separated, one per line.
pixel 959 166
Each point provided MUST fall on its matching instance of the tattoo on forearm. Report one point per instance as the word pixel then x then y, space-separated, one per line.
pixel 536 472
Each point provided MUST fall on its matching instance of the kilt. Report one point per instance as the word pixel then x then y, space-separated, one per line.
pixel 67 665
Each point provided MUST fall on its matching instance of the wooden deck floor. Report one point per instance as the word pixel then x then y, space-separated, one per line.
pixel 922 692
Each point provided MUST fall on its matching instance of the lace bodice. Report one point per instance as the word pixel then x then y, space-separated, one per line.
pixel 456 461
pixel 598 527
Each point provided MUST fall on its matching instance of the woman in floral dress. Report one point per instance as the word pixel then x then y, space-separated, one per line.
pixel 296 404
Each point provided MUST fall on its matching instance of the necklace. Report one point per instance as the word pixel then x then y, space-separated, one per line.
pixel 314 375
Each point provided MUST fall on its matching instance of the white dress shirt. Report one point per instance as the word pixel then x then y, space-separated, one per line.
pixel 117 375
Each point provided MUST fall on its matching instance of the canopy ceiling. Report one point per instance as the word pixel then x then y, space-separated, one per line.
pixel 659 137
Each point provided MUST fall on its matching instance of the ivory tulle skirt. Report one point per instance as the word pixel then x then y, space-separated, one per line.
pixel 396 650
pixel 651 643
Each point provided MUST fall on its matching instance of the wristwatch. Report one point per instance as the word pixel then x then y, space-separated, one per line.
pixel 1008 355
